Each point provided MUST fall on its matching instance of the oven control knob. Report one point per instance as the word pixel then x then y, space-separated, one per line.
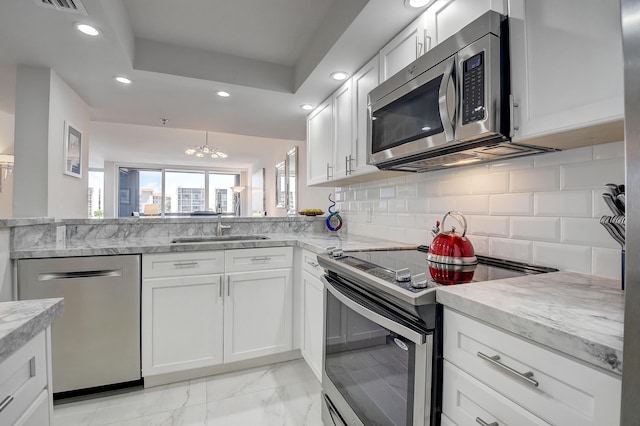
pixel 403 275
pixel 419 281
pixel 337 253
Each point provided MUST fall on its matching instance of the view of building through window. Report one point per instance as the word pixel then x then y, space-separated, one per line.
pixel 96 194
pixel 141 192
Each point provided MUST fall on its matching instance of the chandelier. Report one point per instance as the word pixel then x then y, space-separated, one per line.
pixel 205 150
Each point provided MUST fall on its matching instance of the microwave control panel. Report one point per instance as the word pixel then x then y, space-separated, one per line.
pixel 473 99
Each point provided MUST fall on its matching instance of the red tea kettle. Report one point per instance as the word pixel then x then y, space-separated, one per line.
pixel 452 247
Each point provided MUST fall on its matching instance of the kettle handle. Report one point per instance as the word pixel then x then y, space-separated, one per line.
pixel 459 217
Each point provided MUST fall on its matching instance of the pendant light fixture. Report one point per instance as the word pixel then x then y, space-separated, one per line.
pixel 205 150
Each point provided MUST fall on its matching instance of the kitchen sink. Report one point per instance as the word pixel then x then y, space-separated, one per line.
pixel 222 238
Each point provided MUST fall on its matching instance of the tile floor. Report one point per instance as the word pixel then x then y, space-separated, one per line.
pixel 280 394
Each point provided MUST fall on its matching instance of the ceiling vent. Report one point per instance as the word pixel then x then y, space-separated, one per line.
pixel 71 6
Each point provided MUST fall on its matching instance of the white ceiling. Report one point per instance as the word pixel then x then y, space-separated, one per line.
pixel 271 55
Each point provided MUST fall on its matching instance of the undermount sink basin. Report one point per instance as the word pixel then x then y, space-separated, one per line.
pixel 213 239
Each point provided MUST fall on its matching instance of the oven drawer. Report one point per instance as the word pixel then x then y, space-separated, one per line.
pixel 258 259
pixel 558 389
pixel 466 401
pixel 310 264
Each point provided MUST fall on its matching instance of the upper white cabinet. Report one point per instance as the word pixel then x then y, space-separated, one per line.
pixel 403 49
pixel 444 18
pixel 320 135
pixel 566 71
pixel 343 121
pixel 364 81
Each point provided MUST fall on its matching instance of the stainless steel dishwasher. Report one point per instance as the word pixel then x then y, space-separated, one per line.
pixel 96 342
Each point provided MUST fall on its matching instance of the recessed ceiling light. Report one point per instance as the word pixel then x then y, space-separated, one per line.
pixel 417 3
pixel 306 107
pixel 223 94
pixel 88 30
pixel 339 75
pixel 123 80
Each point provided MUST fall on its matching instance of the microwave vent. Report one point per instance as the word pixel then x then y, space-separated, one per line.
pixel 502 150
pixel 70 6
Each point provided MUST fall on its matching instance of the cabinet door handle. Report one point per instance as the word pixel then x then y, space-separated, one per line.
pixel 228 286
pixel 483 423
pixel 260 259
pixel 495 360
pixel 185 264
pixel 329 167
pixel 220 285
pixel 8 400
pixel 312 263
pixel 419 48
pixel 427 39
pixel 346 165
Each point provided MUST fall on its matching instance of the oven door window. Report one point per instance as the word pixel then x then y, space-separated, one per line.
pixel 369 365
pixel 415 115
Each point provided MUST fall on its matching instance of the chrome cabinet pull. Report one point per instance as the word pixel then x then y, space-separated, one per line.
pixel 312 263
pixel 185 264
pixel 220 285
pixel 329 167
pixel 428 41
pixel 495 360
pixel 346 165
pixel 260 259
pixel 228 286
pixel 8 400
pixel 483 423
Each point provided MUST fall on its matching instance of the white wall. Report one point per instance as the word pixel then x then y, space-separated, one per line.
pixel 542 209
pixel 6 147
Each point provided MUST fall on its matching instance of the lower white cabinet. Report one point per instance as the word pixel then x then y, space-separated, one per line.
pixel 258 314
pixel 24 381
pixel 499 377
pixel 240 308
pixel 312 313
pixel 182 323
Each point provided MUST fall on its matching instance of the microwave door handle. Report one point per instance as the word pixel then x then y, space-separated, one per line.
pixel 443 100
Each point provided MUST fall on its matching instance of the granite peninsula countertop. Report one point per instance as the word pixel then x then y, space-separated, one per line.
pixel 315 242
pixel 23 320
pixel 578 315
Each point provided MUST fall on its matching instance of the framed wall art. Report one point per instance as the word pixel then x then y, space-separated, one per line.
pixel 72 151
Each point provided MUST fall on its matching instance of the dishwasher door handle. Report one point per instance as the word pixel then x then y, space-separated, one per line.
pixel 51 276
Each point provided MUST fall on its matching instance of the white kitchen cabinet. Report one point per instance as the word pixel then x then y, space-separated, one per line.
pixel 566 71
pixel 444 18
pixel 525 378
pixel 343 137
pixel 24 381
pixel 403 49
pixel 312 314
pixel 258 314
pixel 182 323
pixel 320 134
pixel 364 81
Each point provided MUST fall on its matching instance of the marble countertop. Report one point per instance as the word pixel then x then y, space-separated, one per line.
pixel 579 315
pixel 315 242
pixel 23 320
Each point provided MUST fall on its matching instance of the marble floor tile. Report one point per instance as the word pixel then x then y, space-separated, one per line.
pixel 279 394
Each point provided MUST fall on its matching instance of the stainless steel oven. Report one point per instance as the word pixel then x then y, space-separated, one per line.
pixel 382 355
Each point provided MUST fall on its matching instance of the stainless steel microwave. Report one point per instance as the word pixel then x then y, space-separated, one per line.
pixel 450 107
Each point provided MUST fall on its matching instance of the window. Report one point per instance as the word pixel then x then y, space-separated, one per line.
pixel 96 194
pixel 174 192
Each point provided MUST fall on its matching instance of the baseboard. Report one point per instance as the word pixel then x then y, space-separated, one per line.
pixel 178 376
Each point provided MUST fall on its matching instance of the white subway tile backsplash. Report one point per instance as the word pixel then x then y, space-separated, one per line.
pixel 607 263
pixel 480 244
pixel 473 170
pixel 417 206
pixel 361 195
pixel 564 203
pixel 593 174
pixel 532 180
pixel 396 180
pixel 472 204
pixel 427 221
pixel 488 225
pixel 441 204
pixel 456 186
pixel 406 220
pixel 511 164
pixel 563 256
pixel 379 206
pixel 407 190
pixel 511 204
pixel 387 192
pixel 536 228
pixel 600 208
pixel 588 232
pixel 397 206
pixel 417 236
pixel 428 189
pixel 491 183
pixel 578 155
pixel 608 150
pixel 521 251
pixel 373 194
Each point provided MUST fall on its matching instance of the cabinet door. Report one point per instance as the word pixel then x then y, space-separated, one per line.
pixel 320 143
pixel 364 81
pixel 258 314
pixel 313 319
pixel 181 323
pixel 343 135
pixel 446 17
pixel 38 412
pixel 402 49
pixel 566 65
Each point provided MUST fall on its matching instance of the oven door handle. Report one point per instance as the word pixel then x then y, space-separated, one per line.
pixel 443 99
pixel 407 333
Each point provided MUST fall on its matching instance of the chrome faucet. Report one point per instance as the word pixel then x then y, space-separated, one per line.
pixel 220 227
